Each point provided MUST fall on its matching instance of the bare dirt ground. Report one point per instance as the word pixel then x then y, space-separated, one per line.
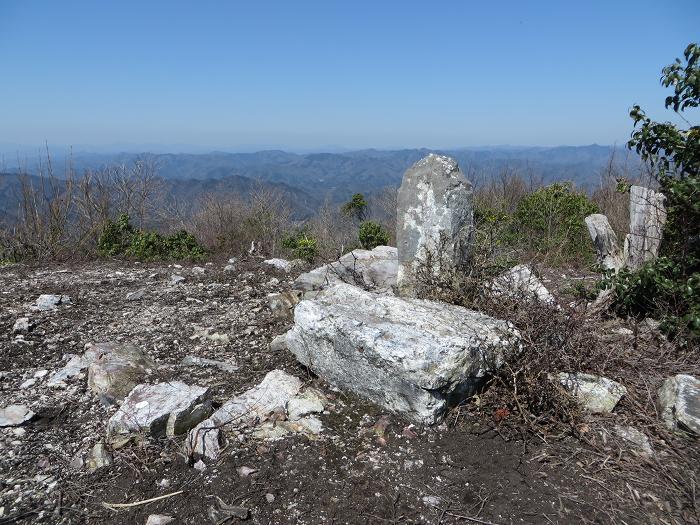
pixel 364 467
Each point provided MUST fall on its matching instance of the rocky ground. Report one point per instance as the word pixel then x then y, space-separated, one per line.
pixel 365 466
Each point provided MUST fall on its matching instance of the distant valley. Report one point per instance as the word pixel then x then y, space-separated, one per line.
pixel 307 180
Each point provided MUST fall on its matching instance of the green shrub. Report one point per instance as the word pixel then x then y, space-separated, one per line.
pixel 120 238
pixel 302 244
pixel 372 234
pixel 550 221
pixel 115 236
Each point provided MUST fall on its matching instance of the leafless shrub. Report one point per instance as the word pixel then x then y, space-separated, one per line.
pixel 232 223
pixel 334 231
pixel 62 217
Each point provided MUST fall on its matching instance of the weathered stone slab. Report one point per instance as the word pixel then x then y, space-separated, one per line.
pixel 679 402
pixel 596 394
pixel 647 219
pixel 435 219
pixel 605 242
pixel 279 396
pixel 410 356
pixel 165 409
pixel 372 269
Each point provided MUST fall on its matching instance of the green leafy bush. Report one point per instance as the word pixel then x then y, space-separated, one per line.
pixel 551 221
pixel 120 238
pixel 372 235
pixel 302 244
pixel 115 237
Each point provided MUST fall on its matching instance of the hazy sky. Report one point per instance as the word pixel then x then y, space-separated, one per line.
pixel 302 74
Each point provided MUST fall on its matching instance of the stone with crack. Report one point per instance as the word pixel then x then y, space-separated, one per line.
pixel 411 356
pixel 374 269
pixel 165 409
pixel 271 396
pixel 679 402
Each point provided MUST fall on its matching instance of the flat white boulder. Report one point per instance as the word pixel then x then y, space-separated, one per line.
pixel 596 394
pixel 520 282
pixel 373 269
pixel 279 397
pixel 165 409
pixel 410 356
pixel 679 401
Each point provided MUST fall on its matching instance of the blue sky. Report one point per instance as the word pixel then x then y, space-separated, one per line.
pixel 326 74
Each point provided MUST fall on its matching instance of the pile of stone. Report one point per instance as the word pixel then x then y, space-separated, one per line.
pixel 359 324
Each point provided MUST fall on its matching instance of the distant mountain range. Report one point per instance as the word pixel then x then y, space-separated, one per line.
pixel 309 179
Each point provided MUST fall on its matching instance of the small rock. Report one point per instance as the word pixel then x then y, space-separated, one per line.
pixel 310 402
pixel 136 296
pixel 15 415
pixel 99 457
pixel 244 472
pixel 280 264
pixel 159 519
pixel 50 302
pixel 40 374
pixel 21 326
pixel 165 409
pixel 622 331
pixel 279 343
pixel 192 360
pixel 520 282
pixel 269 497
pixel 282 304
pixel 198 270
pixel 229 268
pixel 176 279
pixel 200 465
pixel 27 384
pixel 679 402
pixel 596 394
pixel 636 438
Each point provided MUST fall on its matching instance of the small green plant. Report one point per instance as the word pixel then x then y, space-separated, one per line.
pixel 302 244
pixel 372 234
pixel 116 236
pixel 120 238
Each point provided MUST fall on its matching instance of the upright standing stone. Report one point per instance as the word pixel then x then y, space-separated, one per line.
pixel 605 242
pixel 435 219
pixel 647 218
